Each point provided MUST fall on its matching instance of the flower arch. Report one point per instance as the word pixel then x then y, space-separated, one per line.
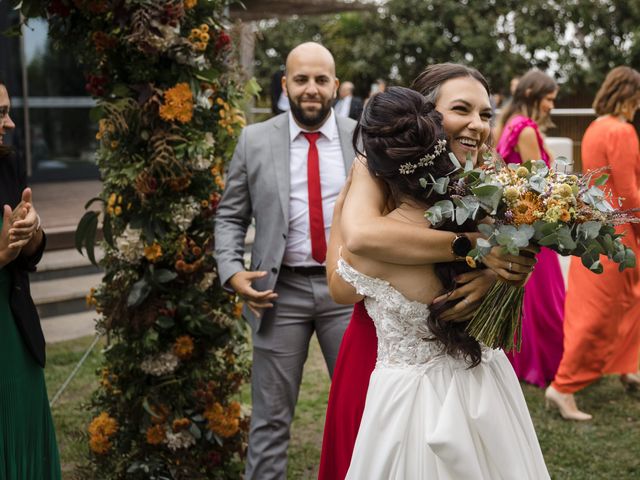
pixel 164 77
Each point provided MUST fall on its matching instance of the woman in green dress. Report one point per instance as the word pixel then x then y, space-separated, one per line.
pixel 28 449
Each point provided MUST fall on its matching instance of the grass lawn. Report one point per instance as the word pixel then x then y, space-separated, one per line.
pixel 606 448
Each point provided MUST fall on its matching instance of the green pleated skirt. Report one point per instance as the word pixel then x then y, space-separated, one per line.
pixel 28 448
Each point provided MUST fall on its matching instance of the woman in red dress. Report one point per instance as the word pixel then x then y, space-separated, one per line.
pixel 362 228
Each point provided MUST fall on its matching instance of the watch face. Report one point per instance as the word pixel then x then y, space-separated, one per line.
pixel 461 246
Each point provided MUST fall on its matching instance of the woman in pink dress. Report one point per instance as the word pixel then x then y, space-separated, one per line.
pixel 520 140
pixel 363 229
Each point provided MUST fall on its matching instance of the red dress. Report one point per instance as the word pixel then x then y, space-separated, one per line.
pixel 355 363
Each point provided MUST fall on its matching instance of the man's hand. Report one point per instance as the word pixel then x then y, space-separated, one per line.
pixel 256 300
pixel 473 287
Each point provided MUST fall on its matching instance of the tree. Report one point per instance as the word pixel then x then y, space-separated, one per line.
pixel 577 40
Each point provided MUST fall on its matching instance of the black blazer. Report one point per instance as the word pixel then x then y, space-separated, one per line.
pixel 12 183
pixel 355 110
pixel 276 90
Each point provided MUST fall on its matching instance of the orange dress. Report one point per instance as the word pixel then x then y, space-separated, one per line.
pixel 602 312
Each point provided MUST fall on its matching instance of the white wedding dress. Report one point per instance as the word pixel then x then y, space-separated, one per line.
pixel 427 415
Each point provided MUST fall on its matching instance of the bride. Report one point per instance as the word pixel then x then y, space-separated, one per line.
pixel 439 404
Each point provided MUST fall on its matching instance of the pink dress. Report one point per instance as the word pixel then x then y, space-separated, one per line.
pixel 543 309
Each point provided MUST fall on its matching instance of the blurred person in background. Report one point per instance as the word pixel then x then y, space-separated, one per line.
pixel 347 105
pixel 519 130
pixel 602 312
pixel 279 100
pixel 379 86
pixel 28 448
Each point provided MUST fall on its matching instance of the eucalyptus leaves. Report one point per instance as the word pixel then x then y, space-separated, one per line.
pixel 529 205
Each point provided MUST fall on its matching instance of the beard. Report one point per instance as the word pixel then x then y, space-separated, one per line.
pixel 309 119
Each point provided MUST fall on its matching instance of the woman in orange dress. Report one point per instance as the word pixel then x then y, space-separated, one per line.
pixel 602 312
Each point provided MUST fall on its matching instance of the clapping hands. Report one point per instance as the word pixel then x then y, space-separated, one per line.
pixel 19 228
pixel 24 221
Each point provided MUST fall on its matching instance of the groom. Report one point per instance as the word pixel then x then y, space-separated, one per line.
pixel 286 174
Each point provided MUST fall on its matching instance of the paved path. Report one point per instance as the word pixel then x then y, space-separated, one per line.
pixel 61 204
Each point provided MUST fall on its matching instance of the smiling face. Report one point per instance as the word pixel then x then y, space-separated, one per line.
pixel 466 111
pixel 6 124
pixel 311 84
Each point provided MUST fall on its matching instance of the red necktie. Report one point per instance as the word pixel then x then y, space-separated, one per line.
pixel 316 219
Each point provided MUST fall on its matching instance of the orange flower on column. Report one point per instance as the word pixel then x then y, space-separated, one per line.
pixel 178 104
pixel 183 347
pixel 153 252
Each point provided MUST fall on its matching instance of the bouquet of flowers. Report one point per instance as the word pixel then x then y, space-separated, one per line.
pixel 529 204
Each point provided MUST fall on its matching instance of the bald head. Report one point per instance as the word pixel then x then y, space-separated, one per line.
pixel 310 83
pixel 311 51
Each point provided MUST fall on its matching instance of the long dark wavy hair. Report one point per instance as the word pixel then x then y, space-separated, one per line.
pixel 401 126
pixel 532 88
pixel 5 150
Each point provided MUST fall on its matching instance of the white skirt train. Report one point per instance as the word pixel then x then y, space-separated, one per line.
pixel 443 421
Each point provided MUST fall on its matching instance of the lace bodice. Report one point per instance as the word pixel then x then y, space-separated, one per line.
pixel 401 324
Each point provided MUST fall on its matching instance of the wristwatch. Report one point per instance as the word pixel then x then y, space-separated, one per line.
pixel 461 245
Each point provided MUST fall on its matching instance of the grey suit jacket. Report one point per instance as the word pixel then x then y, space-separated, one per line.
pixel 258 186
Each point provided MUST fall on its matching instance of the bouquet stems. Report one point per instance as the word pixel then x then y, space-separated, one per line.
pixel 498 321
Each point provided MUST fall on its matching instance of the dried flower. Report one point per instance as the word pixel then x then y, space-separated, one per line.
pixel 130 244
pixel 183 347
pixel 223 421
pixel 90 298
pixel 207 281
pixel 184 213
pixel 146 183
pixel 158 365
pixel 180 424
pixel 178 104
pixel 100 429
pixel 160 414
pixel 103 424
pixel 156 435
pixel 177 441
pixel 99 444
pixel 153 252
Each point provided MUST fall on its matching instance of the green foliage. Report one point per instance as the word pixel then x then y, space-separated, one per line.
pixel 581 41
pixel 168 113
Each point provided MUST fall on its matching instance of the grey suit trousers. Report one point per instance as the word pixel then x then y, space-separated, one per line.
pixel 280 348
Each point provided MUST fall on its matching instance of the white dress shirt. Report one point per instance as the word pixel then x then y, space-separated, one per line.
pixel 332 177
pixel 283 102
pixel 343 106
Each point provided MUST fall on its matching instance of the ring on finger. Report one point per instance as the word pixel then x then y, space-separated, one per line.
pixel 510 266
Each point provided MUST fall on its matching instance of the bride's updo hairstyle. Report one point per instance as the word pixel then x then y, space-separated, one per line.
pixel 399 127
pixel 401 135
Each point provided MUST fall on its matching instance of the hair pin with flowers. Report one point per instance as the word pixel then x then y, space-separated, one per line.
pixel 409 167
